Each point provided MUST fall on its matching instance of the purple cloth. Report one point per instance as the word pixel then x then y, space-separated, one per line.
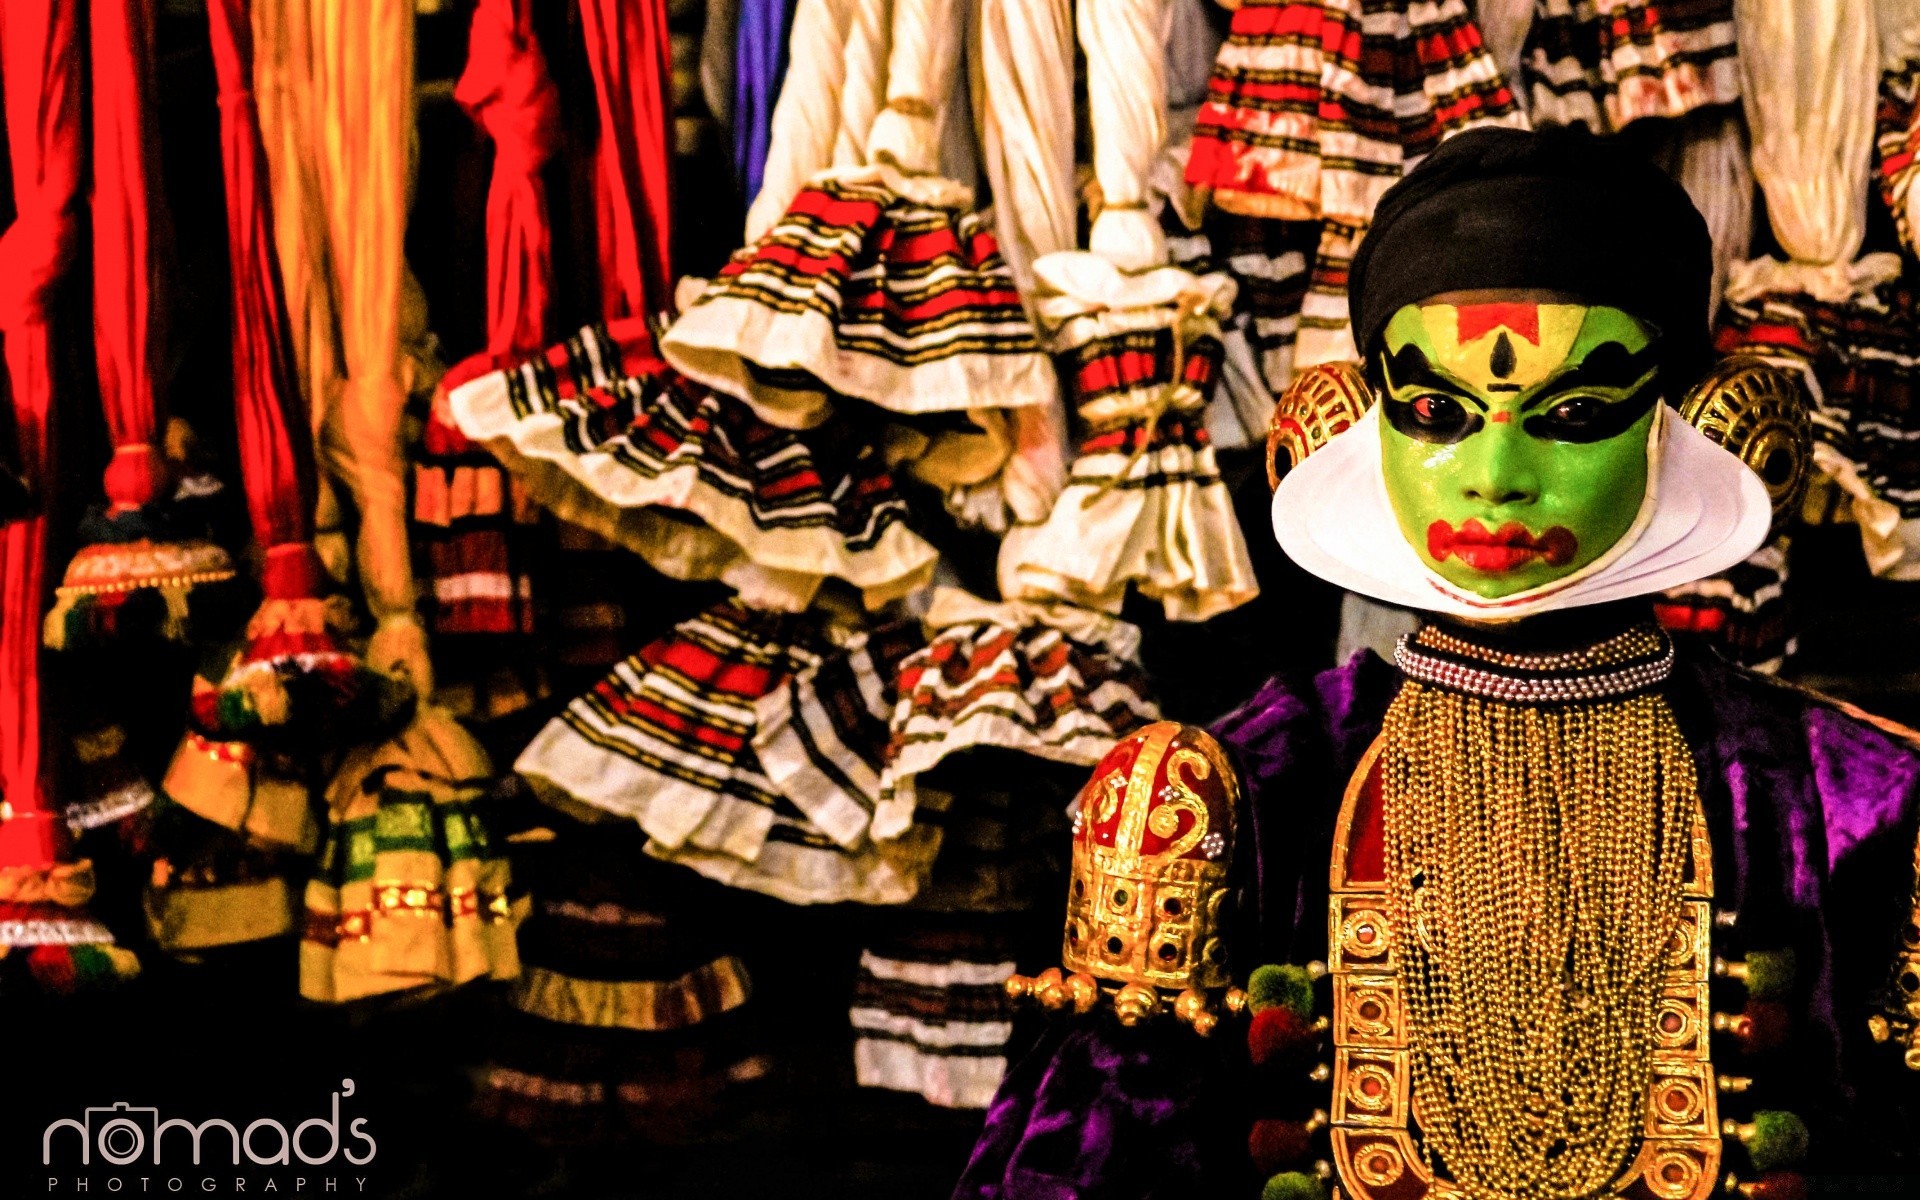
pixel 759 65
pixel 1101 1111
pixel 1812 815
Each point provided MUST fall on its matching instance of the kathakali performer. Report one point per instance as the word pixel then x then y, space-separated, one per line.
pixel 1552 906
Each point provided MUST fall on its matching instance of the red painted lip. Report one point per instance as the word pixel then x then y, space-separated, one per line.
pixel 1502 549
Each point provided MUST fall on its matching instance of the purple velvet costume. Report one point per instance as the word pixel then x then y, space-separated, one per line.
pixel 1812 814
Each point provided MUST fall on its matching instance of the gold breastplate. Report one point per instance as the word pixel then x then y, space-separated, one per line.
pixel 1375 1141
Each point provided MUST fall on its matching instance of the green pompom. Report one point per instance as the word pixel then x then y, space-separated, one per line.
pixel 1770 974
pixel 1281 985
pixel 1779 1140
pixel 235 710
pixel 91 967
pixel 1294 1185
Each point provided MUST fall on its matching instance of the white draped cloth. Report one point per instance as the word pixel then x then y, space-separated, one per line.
pixel 1125 42
pixel 1148 513
pixel 1021 72
pixel 1809 100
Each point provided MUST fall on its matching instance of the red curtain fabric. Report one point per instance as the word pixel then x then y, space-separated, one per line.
pixel 276 435
pixel 41 81
pixel 628 53
pixel 506 90
pixel 121 88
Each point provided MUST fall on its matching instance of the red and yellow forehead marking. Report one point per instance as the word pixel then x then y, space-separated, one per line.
pixel 1499 347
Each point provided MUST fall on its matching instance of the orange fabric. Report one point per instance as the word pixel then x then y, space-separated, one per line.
pixel 334 84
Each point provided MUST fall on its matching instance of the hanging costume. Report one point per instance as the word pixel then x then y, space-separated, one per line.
pixel 43 890
pixel 1315 109
pixel 759 64
pixel 605 434
pixel 1812 120
pixel 342 78
pixel 409 890
pixel 473 522
pixel 137 549
pixel 1567 888
pixel 877 282
pixel 1020 68
pixel 1608 64
pixel 1144 505
pixel 629 1018
pixel 1138 343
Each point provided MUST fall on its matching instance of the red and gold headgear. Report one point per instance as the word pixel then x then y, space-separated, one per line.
pixel 1152 839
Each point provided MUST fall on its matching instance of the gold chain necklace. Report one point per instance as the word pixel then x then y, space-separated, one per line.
pixel 1532 960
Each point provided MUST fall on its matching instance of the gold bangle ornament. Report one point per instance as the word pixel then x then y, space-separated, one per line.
pixel 1756 412
pixel 1151 845
pixel 1320 402
pixel 1898 1022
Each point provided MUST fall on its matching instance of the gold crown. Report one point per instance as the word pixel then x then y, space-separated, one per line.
pixel 1150 850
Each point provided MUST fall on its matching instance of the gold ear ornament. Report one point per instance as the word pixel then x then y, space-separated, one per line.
pixel 1757 412
pixel 1320 402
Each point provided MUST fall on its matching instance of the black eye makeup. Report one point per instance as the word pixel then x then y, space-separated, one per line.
pixel 1433 417
pixel 1420 410
pixel 1581 417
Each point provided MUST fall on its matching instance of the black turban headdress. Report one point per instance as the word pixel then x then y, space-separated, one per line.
pixel 1556 208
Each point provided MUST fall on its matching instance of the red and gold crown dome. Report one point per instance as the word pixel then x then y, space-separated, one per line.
pixel 1151 845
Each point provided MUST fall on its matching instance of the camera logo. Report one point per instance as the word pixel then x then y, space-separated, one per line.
pixel 122 1134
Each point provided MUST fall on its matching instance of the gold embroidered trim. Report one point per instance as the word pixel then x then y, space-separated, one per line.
pixel 645 1005
pixel 68 884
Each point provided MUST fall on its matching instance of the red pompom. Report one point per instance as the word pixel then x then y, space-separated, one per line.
pixel 1278 1145
pixel 1767 1023
pixel 205 707
pixel 1278 1035
pixel 1777 1185
pixel 52 968
pixel 133 477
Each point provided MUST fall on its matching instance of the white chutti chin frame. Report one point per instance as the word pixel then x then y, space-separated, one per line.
pixel 1704 512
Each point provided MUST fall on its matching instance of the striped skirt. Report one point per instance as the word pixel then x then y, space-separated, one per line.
pixel 873 286
pixel 1317 106
pixel 1897 139
pixel 1054 682
pixel 821 738
pixel 1144 507
pixel 1864 380
pixel 1608 63
pixel 931 1016
pixel 1743 611
pixel 477 537
pixel 632 1017
pixel 675 737
pixel 614 440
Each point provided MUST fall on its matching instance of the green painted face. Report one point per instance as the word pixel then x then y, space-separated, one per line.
pixel 1514 437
